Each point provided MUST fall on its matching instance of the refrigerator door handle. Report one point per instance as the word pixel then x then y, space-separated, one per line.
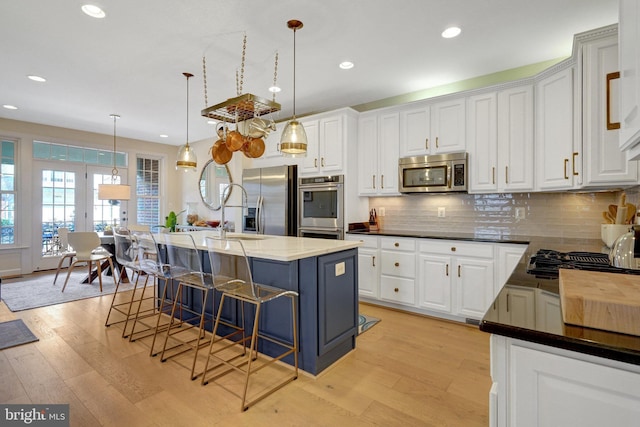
pixel 259 225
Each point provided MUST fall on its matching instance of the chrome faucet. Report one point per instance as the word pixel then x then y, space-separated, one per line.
pixel 221 227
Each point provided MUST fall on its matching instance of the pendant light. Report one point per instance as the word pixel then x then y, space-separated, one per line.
pixel 186 157
pixel 293 142
pixel 114 191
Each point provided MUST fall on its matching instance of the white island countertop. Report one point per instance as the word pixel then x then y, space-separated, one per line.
pixel 279 248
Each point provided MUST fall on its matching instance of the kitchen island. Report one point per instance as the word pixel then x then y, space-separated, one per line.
pixel 548 373
pixel 325 275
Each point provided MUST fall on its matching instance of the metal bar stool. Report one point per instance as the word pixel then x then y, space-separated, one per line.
pixel 184 267
pixel 230 267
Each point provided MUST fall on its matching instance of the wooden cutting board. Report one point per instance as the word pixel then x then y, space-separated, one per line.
pixel 607 301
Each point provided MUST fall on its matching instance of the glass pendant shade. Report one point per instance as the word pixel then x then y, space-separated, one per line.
pixel 187 160
pixel 114 191
pixel 293 142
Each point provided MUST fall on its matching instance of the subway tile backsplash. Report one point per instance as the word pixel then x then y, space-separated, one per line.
pixel 574 215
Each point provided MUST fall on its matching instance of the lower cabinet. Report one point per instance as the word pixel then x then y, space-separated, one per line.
pixel 456 277
pixel 453 279
pixel 538 385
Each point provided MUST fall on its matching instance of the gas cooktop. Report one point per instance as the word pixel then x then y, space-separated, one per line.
pixel 546 262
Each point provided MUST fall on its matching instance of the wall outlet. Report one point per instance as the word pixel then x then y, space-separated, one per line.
pixel 520 213
pixel 381 211
pixel 441 212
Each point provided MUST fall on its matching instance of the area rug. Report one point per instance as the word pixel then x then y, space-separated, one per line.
pixel 37 290
pixel 15 332
pixel 366 322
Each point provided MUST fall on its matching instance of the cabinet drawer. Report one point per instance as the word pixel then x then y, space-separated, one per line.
pixel 370 242
pixel 398 264
pixel 449 247
pixel 398 290
pixel 398 244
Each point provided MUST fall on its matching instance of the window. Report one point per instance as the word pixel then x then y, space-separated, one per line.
pixel 7 192
pixel 148 191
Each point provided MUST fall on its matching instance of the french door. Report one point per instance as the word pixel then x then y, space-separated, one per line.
pixel 66 195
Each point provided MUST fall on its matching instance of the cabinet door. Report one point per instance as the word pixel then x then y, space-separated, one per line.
pixel 434 282
pixel 368 272
pixel 415 129
pixel 507 258
pixel 474 287
pixel 515 139
pixel 482 141
pixel 604 164
pixel 368 154
pixel 629 34
pixel 448 126
pixel 311 163
pixel 388 148
pixel 517 307
pixel 553 390
pixel 555 158
pixel 331 144
pixel 548 317
pixel 272 142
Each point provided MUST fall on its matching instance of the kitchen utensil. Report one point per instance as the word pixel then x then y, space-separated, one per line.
pixel 220 153
pixel 235 140
pixel 607 217
pixel 610 233
pixel 622 252
pixel 621 215
pixel 613 210
pixel 631 213
pixel 253 148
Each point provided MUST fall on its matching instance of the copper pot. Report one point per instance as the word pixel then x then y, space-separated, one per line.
pixel 235 140
pixel 220 153
pixel 253 148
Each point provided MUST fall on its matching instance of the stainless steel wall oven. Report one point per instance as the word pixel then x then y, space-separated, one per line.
pixel 321 207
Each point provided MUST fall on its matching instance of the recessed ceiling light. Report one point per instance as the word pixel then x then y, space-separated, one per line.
pixel 451 32
pixel 274 89
pixel 37 78
pixel 10 107
pixel 93 11
pixel 164 136
pixel 346 65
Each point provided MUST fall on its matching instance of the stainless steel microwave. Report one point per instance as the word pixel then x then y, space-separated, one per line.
pixel 439 173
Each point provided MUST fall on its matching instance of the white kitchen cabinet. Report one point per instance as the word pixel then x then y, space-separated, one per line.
pixel 378 153
pixel 548 317
pixel 629 49
pixel 558 163
pixel 433 127
pixel 500 140
pixel 368 265
pixel 537 385
pixel 324 146
pixel 456 277
pixel 517 306
pixel 507 258
pixel 398 270
pixel 603 163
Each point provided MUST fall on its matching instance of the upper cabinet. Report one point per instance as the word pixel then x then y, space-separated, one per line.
pixel 433 127
pixel 378 153
pixel 558 162
pixel 603 161
pixel 500 140
pixel 629 29
pixel 324 145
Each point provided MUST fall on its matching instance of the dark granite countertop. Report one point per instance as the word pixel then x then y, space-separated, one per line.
pixel 610 345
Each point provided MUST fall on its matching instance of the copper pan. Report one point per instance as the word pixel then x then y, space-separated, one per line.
pixel 220 153
pixel 235 140
pixel 253 148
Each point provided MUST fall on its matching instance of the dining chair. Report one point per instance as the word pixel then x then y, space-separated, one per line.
pixel 181 263
pixel 65 251
pixel 232 273
pixel 84 243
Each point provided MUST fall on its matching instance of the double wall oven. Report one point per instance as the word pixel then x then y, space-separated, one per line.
pixel 321 207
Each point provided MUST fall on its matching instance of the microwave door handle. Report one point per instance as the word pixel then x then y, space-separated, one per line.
pixel 449 176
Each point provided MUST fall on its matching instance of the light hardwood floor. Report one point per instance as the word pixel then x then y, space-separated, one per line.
pixel 407 370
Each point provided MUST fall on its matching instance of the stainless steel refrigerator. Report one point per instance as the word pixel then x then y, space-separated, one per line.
pixel 272 195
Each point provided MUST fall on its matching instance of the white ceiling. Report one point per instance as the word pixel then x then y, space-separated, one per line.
pixel 131 62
